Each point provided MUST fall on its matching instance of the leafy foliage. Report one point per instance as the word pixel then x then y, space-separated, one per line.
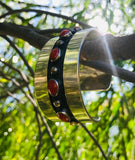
pixel 19 130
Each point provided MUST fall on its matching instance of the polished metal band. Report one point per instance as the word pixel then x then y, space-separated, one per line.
pixel 74 77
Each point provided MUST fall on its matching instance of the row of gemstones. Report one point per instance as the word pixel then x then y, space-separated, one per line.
pixel 53 85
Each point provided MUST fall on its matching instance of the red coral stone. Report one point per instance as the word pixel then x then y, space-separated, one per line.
pixel 63 117
pixel 65 33
pixel 55 54
pixel 53 87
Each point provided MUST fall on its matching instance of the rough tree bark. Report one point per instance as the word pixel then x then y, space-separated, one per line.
pixel 93 52
pixel 122 48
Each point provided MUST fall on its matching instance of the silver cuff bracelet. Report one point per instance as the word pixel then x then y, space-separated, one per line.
pixel 60 78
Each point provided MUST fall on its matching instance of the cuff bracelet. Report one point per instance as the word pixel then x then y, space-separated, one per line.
pixel 60 78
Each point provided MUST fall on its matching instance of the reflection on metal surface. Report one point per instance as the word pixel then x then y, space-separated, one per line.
pixel 77 78
pixel 41 89
pixel 90 78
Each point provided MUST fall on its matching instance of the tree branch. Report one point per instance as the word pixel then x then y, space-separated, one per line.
pixel 40 135
pixel 30 98
pixel 13 96
pixel 27 34
pixel 119 48
pixel 49 32
pixel 51 136
pixel 96 142
pixel 5 6
pixel 20 54
pixel 12 90
pixel 15 69
pixel 10 9
pixel 33 36
pixel 38 5
pixel 47 13
pixel 111 69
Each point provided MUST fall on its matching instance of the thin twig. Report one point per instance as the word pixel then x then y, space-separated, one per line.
pixel 43 6
pixel 10 9
pixel 96 142
pixel 43 119
pixel 39 125
pixel 20 54
pixel 14 90
pixel 15 69
pixel 47 13
pixel 44 122
pixel 111 69
pixel 46 125
pixel 13 96
pixel 37 110
pixel 5 6
pixel 124 148
pixel 51 136
pixel 37 117
pixel 40 136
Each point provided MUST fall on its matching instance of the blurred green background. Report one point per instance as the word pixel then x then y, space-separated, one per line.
pixel 19 134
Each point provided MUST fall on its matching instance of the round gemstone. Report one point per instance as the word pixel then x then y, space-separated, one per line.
pixel 59 42
pixel 53 87
pixel 65 33
pixel 63 116
pixel 55 54
pixel 54 70
pixel 56 103
pixel 77 29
